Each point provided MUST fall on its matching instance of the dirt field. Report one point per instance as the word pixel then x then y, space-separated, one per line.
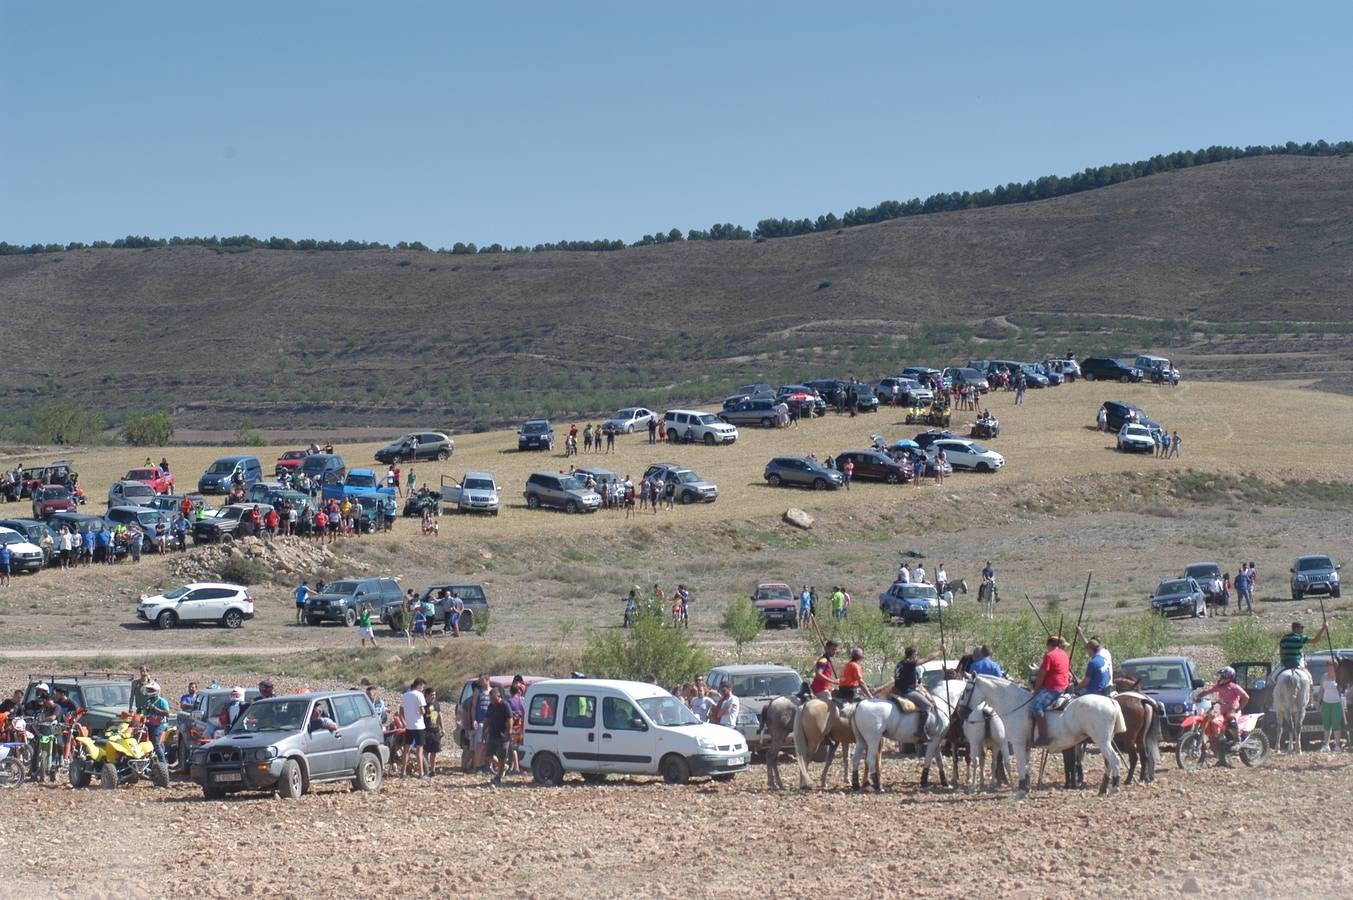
pixel 1064 504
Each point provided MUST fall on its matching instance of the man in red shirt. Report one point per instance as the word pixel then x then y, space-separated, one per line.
pixel 824 673
pixel 1054 675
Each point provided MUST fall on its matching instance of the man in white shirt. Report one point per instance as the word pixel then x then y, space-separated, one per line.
pixel 413 705
pixel 701 702
pixel 919 576
pixel 726 712
pixel 903 574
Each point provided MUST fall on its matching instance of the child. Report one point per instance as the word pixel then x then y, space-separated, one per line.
pixel 420 626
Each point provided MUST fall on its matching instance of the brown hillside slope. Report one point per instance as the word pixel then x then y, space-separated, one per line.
pixel 1265 239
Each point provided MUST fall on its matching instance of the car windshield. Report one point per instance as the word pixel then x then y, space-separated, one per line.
pixel 571 484
pixel 774 593
pixel 1203 572
pixel 361 479
pixel 626 414
pixel 136 489
pixel 534 428
pixel 271 715
pixel 975 448
pixel 12 537
pixel 341 587
pixel 919 592
pixel 478 484
pixel 175 593
pixel 1314 564
pixel 669 710
pixel 1137 431
pixel 779 684
pixel 710 419
pixel 1158 676
pixel 1178 586
pixel 55 493
pixel 107 694
pixel 222 467
pixel 813 465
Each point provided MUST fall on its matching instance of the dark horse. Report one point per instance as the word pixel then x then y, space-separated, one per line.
pixel 1140 741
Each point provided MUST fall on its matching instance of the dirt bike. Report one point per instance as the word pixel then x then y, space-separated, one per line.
pixel 121 755
pixel 1203 730
pixel 46 748
pixel 11 769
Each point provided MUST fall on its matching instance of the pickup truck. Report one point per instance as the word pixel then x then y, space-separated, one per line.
pixel 475 492
pixel 226 524
pixel 776 603
pixel 357 483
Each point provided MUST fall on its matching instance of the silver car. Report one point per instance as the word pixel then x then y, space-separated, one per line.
pixel 290 744
pixel 803 472
pixel 1316 574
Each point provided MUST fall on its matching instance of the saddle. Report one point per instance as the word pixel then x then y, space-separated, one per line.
pixel 1060 703
pixel 903 704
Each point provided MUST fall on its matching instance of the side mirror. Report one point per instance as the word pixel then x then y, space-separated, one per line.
pixel 1198 683
pixel 638 724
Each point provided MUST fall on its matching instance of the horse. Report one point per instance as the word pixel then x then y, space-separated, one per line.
pixel 818 721
pixel 1091 716
pixel 1291 694
pixel 777 721
pixel 987 598
pixel 879 718
pixel 1141 740
pixel 985 731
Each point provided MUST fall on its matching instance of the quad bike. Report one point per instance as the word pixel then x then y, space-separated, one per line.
pixel 985 429
pixel 937 415
pixel 1203 730
pixel 121 755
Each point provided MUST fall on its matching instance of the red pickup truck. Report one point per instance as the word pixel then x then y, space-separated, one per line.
pixel 160 481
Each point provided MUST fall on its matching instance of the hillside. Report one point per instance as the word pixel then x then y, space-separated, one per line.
pixel 293 339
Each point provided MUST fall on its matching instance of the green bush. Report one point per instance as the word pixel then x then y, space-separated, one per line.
pixel 240 570
pixel 882 643
pixel 148 429
pixel 742 622
pixel 1144 634
pixel 482 622
pixel 646 651
pixel 1246 640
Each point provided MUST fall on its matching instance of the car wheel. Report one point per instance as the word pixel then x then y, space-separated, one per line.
pixel 166 619
pixel 1089 376
pixel 532 501
pixel 232 619
pixel 709 439
pixel 369 773
pixel 350 617
pixel 893 478
pixel 1334 594
pixel 467 621
pixel 686 498
pixel 1123 379
pixel 766 423
pixel 675 769
pixel 546 770
pixel 773 479
pixel 983 467
pixel 820 484
pixel 292 783
pixel 571 507
pixel 107 776
pixel 442 456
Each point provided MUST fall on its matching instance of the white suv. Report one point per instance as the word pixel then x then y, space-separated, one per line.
pixel 706 428
pixel 964 454
pixel 25 556
pixel 228 604
pixel 598 727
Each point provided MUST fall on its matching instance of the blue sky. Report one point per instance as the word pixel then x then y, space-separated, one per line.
pixel 527 122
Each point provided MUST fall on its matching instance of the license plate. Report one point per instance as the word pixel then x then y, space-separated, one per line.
pixel 742 760
pixel 1310 729
pixel 227 776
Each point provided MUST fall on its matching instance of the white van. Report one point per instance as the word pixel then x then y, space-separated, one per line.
pixel 703 427
pixel 599 727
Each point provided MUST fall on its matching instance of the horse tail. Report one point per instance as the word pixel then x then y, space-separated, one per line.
pixel 1119 723
pixel 801 743
pixel 1155 733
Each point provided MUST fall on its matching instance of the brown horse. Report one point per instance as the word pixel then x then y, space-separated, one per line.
pixel 1141 740
pixel 818 721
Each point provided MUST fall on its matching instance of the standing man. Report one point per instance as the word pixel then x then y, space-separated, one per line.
pixel 838 603
pixel 805 604
pixel 702 704
pixel 727 709
pixel 137 701
pixel 1054 675
pixel 302 594
pixel 414 707
pixel 156 711
pixel 847 471
pixel 497 720
pixel 1244 591
pixel 189 700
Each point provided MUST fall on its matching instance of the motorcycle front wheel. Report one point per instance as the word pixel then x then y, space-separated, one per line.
pixel 1191 751
pixel 1254 749
pixel 11 773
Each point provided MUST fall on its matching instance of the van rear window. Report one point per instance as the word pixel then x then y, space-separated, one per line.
pixel 544 708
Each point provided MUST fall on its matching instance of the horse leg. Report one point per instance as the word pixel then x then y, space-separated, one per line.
pixel 876 757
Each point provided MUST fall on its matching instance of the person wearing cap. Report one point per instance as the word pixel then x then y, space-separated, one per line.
pixel 156 712
pixel 824 673
pixel 1054 675
pixel 852 679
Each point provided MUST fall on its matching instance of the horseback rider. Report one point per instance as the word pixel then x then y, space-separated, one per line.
pixel 1054 675
pixel 852 679
pixel 1292 645
pixel 1232 698
pixel 824 673
pixel 906 684
pixel 1098 671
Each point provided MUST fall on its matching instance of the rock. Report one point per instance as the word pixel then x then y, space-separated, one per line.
pixel 798 518
pixel 1190 886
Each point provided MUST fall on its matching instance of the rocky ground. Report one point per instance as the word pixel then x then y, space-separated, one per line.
pixel 1238 833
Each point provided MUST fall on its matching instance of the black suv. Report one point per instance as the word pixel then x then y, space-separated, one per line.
pixel 343 600
pixel 536 434
pixel 1103 368
pixel 1117 414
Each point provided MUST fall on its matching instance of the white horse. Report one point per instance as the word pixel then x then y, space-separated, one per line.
pixel 875 720
pixel 1091 716
pixel 1291 694
pixel 984 730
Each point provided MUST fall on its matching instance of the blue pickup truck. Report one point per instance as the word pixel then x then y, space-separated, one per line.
pixel 358 482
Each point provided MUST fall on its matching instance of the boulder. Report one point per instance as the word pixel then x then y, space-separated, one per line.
pixel 798 518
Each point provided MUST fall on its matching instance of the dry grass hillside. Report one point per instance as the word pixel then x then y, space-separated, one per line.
pixel 294 338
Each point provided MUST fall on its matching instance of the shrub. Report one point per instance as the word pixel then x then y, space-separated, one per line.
pixel 148 429
pixel 742 623
pixel 482 622
pixel 1245 639
pixel 881 642
pixel 647 650
pixel 239 570
pixel 1144 634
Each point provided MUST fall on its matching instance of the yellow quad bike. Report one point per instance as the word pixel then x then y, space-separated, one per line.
pixel 121 755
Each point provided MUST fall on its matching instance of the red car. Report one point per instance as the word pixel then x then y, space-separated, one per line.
pixel 160 481
pixel 290 461
pixel 52 498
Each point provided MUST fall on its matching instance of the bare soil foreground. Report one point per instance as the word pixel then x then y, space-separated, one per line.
pixel 1216 833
